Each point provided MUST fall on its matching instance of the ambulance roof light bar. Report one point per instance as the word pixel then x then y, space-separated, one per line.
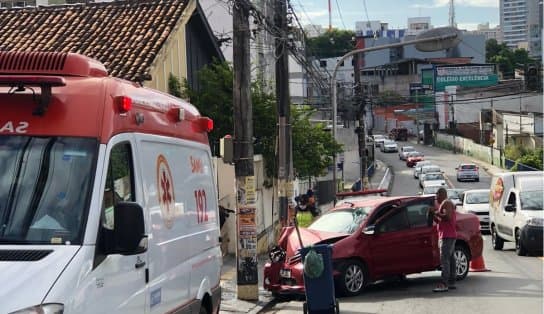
pixel 19 83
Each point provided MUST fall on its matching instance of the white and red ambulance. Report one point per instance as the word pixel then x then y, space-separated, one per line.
pixel 107 196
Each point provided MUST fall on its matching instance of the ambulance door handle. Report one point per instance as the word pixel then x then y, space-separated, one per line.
pixel 139 263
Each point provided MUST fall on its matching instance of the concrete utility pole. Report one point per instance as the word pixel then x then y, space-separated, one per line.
pixel 361 114
pixel 453 124
pixel 285 184
pixel 246 253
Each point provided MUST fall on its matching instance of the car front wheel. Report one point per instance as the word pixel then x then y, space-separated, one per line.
pixel 520 248
pixel 461 262
pixel 352 278
pixel 496 241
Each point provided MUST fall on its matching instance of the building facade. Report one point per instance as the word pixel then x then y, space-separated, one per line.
pixel 521 25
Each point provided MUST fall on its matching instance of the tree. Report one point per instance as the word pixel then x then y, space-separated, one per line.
pixel 332 43
pixel 389 98
pixel 506 58
pixel 314 145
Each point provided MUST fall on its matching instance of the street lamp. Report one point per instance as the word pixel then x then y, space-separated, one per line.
pixel 432 40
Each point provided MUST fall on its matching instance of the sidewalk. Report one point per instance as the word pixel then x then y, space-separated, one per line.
pixel 229 301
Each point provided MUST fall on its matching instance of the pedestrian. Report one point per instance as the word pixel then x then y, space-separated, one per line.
pixel 445 218
pixel 304 213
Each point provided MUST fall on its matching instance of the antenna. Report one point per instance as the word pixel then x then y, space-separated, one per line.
pixel 452 14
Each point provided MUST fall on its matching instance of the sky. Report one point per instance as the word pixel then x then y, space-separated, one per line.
pixel 468 13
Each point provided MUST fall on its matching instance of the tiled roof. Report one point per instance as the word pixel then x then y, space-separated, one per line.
pixel 125 36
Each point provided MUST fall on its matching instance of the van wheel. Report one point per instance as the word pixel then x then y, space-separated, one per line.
pixel 496 241
pixel 520 249
pixel 352 279
pixel 461 262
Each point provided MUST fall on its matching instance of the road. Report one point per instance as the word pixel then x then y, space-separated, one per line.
pixel 513 284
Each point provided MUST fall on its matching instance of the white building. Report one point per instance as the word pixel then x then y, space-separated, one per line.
pixel 417 25
pixel 521 24
pixel 488 32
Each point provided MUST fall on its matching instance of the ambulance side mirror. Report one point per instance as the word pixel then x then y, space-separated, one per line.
pixel 129 236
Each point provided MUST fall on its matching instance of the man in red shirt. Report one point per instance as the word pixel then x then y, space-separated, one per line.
pixel 445 218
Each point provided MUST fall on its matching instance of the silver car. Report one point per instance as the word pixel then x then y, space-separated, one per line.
pixel 467 172
pixel 418 166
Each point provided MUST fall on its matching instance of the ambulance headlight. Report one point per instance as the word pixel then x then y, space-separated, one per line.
pixel 51 308
pixel 535 222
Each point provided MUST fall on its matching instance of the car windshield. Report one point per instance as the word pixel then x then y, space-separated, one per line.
pixel 389 142
pixel 532 200
pixel 429 169
pixel 434 176
pixel 341 221
pixel 431 189
pixel 45 185
pixel 454 194
pixel 481 197
pixel 415 154
pixel 408 149
pixel 468 167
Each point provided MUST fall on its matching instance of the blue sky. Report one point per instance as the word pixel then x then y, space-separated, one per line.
pixel 468 13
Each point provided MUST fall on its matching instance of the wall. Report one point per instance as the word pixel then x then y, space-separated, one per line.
pixel 469 148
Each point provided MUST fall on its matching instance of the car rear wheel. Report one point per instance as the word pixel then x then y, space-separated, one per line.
pixel 520 249
pixel 353 278
pixel 496 240
pixel 461 262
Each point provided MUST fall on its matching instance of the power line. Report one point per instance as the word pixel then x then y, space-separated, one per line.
pixel 340 14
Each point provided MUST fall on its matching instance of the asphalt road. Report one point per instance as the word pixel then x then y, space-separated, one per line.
pixel 513 284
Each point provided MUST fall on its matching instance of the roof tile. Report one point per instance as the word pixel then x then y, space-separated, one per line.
pixel 120 34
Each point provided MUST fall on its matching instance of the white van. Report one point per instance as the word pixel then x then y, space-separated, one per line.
pixel 107 200
pixel 516 210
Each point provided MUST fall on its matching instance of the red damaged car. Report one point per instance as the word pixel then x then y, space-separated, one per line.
pixel 372 239
pixel 413 158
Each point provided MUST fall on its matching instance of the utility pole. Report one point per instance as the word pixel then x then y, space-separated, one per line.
pixel 284 112
pixel 453 124
pixel 246 253
pixel 361 104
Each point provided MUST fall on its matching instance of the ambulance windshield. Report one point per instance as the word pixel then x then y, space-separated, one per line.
pixel 45 185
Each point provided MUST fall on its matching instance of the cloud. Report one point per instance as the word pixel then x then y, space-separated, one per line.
pixel 465 3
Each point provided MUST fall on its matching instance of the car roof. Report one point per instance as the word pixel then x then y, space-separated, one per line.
pixel 372 202
pixel 476 191
pixel 430 166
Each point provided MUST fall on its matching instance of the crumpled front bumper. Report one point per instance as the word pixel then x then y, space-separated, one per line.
pixel 276 283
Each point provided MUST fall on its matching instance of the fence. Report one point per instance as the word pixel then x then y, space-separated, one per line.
pixel 468 147
pixel 512 165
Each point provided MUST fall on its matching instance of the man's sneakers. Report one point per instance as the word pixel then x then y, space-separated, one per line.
pixel 444 288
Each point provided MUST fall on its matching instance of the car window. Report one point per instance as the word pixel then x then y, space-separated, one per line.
pixel 395 222
pixel 433 176
pixel 477 197
pixel 532 200
pixel 468 167
pixel 418 215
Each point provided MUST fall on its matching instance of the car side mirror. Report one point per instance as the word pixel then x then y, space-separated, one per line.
pixel 369 230
pixel 128 235
pixel 510 208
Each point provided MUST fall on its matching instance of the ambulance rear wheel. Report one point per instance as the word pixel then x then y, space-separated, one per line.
pixel 496 241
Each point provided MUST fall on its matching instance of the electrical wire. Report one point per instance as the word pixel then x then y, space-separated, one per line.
pixel 340 14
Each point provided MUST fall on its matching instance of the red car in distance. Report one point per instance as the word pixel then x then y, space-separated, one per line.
pixel 413 157
pixel 371 239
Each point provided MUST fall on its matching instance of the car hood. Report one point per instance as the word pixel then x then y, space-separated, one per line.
pixel 435 182
pixel 390 145
pixel 476 207
pixel 26 282
pixel 289 239
pixel 534 213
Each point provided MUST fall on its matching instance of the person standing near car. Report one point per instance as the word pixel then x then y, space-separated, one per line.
pixel 445 218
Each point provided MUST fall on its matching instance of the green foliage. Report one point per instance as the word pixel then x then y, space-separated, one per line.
pixel 174 85
pixel 313 145
pixel 389 98
pixel 332 43
pixel 214 99
pixel 507 59
pixel 521 155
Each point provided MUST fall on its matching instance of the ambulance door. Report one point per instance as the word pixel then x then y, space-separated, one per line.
pixel 119 280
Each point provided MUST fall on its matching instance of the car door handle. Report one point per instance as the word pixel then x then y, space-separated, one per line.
pixel 139 264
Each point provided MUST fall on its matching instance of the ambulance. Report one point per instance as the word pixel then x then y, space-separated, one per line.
pixel 107 196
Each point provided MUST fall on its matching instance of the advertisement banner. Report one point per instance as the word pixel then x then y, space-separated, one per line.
pixel 465 76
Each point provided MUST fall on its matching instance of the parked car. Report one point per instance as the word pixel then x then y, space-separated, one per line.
pixel 516 213
pixel 427 169
pixel 413 157
pixel 389 146
pixel 378 139
pixel 467 172
pixel 432 178
pixel 477 203
pixel 399 134
pixel 372 239
pixel 404 150
pixel 418 166
pixel 455 196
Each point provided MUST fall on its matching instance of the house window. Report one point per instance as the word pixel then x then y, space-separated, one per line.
pixel 323 63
